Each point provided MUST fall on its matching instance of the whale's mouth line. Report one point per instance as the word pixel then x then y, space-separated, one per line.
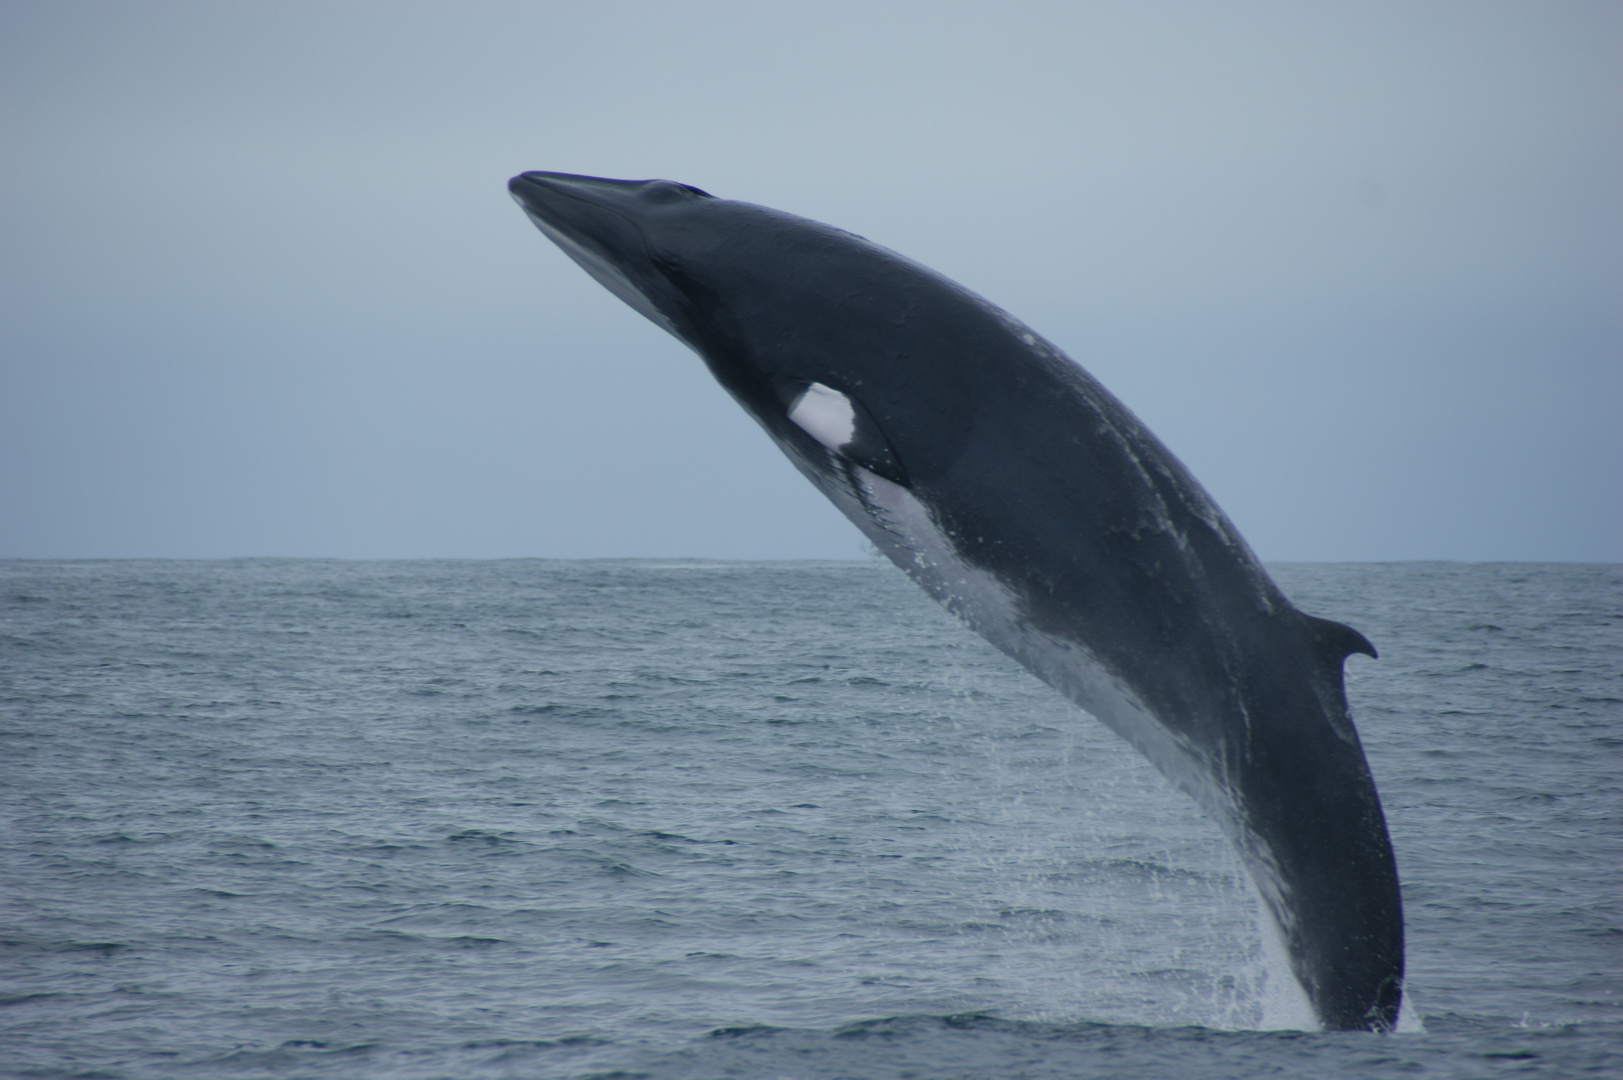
pixel 536 209
pixel 590 256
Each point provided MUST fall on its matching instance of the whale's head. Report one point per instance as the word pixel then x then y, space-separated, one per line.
pixel 817 332
pixel 628 234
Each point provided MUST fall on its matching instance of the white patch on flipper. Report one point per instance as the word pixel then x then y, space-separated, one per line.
pixel 826 415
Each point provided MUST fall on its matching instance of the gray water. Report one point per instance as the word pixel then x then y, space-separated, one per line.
pixel 686 819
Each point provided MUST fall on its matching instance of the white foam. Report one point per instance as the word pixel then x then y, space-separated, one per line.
pixel 1283 1003
pixel 1409 1021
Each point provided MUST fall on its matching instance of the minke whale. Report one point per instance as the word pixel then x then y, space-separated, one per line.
pixel 1019 493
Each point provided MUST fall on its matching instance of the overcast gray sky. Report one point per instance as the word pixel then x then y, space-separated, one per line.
pixel 264 292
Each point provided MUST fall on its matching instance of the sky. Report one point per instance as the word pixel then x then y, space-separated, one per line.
pixel 263 291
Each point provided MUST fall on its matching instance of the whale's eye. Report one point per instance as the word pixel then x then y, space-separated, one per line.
pixel 826 415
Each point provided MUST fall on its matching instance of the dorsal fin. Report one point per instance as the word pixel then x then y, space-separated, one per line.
pixel 1337 641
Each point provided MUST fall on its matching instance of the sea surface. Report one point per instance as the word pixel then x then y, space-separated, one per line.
pixel 544 819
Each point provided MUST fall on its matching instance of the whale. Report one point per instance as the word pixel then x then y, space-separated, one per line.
pixel 1019 493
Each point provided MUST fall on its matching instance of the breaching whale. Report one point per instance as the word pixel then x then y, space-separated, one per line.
pixel 1018 492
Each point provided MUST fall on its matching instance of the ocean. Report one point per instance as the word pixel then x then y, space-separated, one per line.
pixel 686 819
